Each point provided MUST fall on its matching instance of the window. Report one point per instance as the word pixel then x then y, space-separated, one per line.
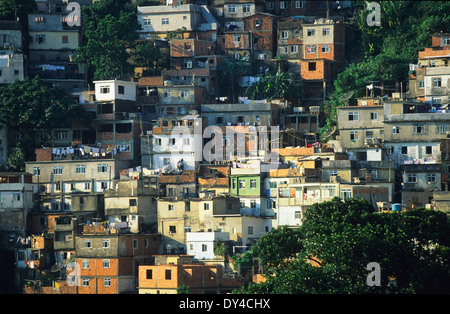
pixel 284 34
pixel 431 177
pixel 231 9
pixel 80 169
pixel 412 178
pixel 40 39
pixel 65 39
pixel 88 244
pixel 184 94
pixel 297 215
pixel 166 161
pixel 58 170
pixel 253 184
pixel 237 38
pixel 419 129
pixel 311 49
pixel 346 193
pixel 133 202
pixel 170 207
pixel 188 64
pixel 310 32
pixel 168 274
pixel 298 4
pixel 167 94
pixel 135 243
pixel 270 5
pixel 242 184
pixel 165 21
pixel 242 204
pixel 87 185
pixel 428 150
pixel 373 172
pixel 354 135
pixel 149 274
pixel 206 206
pixel 374 116
pixel 107 282
pixel 252 204
pixel 311 66
pixel 332 173
pixel 246 8
pixel 105 243
pixel 293 48
pixel 404 150
pixel 172 229
pixel 121 89
pixel 325 48
pixel 395 130
pixel 102 168
pixel 103 185
pixel 62 135
pixel 104 89
pixel 172 141
pixel 257 23
pixel 353 116
pixel 421 84
pixel 369 134
pixel 204 247
pixel 250 229
pixel 283 5
pixel 85 263
pixel 445 41
pixel 85 282
pixel 147 21
pixel 437 82
pixel 36 171
pixel 442 128
pixel 106 263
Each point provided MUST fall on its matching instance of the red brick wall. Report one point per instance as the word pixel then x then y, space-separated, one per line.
pixel 43 154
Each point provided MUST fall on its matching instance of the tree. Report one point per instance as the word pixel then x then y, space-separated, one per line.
pixel 230 72
pixel 145 54
pixel 340 238
pixel 110 31
pixel 34 105
pixel 275 86
pixel 13 9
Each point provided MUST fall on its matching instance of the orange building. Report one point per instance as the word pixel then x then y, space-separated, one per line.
pixel 174 271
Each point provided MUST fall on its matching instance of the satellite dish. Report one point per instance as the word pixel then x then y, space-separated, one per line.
pixel 347 96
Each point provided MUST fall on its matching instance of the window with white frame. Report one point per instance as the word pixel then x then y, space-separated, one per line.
pixel 412 178
pixel 106 263
pixel 232 9
pixel 80 169
pixel 147 21
pixel 184 93
pixel 85 263
pixel 167 94
pixel 237 38
pixel 437 82
pixel 282 4
pixel 85 282
pixel 353 116
pixel 310 32
pixel 442 128
pixel 58 170
pixel 354 135
pixel 105 243
pixel 284 34
pixel 311 49
pixel 102 168
pixel 326 31
pixel 325 48
pixel 104 89
pixel 374 116
pixel 61 135
pixel 88 244
pixel 419 129
pixel 431 177
pixel 107 282
pixel 293 48
pixel 298 4
pixel 165 21
pixel 246 8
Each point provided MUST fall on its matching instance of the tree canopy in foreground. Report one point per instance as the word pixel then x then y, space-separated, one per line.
pixel 331 251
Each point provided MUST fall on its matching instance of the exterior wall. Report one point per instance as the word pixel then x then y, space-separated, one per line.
pixel 53 40
pixel 15 67
pixel 129 92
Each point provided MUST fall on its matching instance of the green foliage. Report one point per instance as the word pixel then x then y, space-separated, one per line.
pixel 183 290
pixel 242 262
pixel 33 105
pixel 340 238
pixel 406 28
pixel 16 161
pixel 275 86
pixel 145 54
pixel 10 9
pixel 229 74
pixel 110 30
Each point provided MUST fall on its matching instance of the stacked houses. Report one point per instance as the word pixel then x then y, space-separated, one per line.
pixel 173 179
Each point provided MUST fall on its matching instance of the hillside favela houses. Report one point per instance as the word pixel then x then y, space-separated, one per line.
pixel 174 179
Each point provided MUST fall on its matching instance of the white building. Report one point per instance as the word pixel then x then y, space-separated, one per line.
pixel 201 244
pixel 109 90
